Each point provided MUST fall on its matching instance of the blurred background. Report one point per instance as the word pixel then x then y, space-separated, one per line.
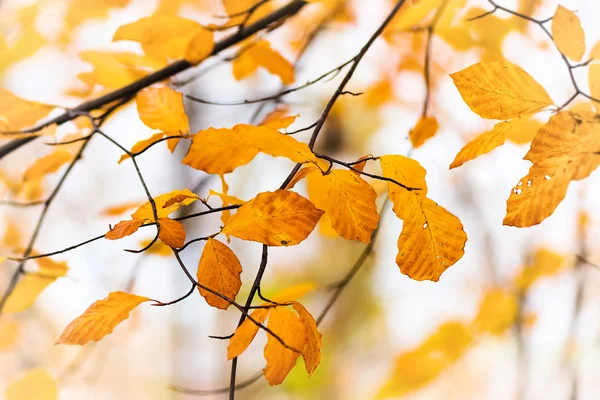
pixel 531 300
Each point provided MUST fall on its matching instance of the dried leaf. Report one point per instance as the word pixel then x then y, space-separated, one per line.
pixel 568 34
pixel 594 80
pixel 171 233
pixel 219 269
pixel 100 318
pixel 500 90
pixel 280 218
pixel 312 351
pixel 186 196
pixel 225 198
pixel 245 333
pixel 432 239
pixel 124 228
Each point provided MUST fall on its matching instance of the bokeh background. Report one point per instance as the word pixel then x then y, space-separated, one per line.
pixel 381 314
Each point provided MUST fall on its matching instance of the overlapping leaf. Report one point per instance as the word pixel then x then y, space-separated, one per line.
pixel 260 54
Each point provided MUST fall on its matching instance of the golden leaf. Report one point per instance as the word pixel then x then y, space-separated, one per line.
pixel 316 194
pixel 488 141
pixel 425 129
pixel 200 47
pixel 35 384
pixel 260 54
pixel 119 209
pixel 124 228
pixel 432 239
pixel 219 269
pixel 594 81
pixel 568 34
pixel 162 108
pixel 47 165
pixel 349 202
pixel 145 143
pixel 278 119
pixel 275 143
pixel 236 9
pixel 280 218
pixel 301 174
pixel 225 198
pixel 545 263
pixel 185 198
pixel 158 248
pixel 418 367
pixel 563 150
pixel 280 360
pixel 17 113
pixel 412 15
pixel 162 35
pixel 100 318
pixel 312 350
pixel 171 233
pixel 245 333
pixel 500 90
pixel 497 312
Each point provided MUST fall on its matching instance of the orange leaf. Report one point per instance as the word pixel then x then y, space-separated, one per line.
pixel 17 113
pixel 360 166
pixel 594 81
pixel 432 239
pixel 124 228
pixel 301 174
pixel 425 129
pixel 568 33
pixel 497 312
pixel 349 202
pixel 100 318
pixel 261 54
pixel 219 269
pixel 145 211
pixel 200 47
pixel 162 108
pixel 312 351
pixel 280 360
pixel 171 233
pixel 47 165
pixel 119 209
pixel 280 218
pixel 245 333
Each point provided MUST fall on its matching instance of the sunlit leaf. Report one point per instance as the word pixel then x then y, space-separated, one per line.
pixel 280 218
pixel 219 269
pixel 245 333
pixel 171 232
pixel 17 113
pixel 100 318
pixel 119 209
pixel 500 90
pixel 594 80
pixel 312 350
pixel 260 54
pixel 200 47
pixel 425 129
pixel 432 238
pixel 568 33
pixel 162 108
pixel 124 228
pixel 184 198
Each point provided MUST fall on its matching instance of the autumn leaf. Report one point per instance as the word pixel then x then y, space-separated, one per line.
pixel 185 198
pixel 594 81
pixel 432 239
pixel 563 150
pixel 236 10
pixel 275 143
pixel 280 218
pixel 162 108
pixel 568 34
pixel 124 228
pixel 280 360
pixel 301 174
pixel 167 36
pixel 219 269
pixel 47 165
pixel 546 263
pixel 34 384
pixel 412 15
pixel 100 318
pixel 119 209
pixel 425 129
pixel 9 332
pixel 200 47
pixel 171 233
pixel 496 137
pixel 17 113
pixel 317 195
pixel 497 312
pixel 225 198
pixel 142 145
pixel 158 248
pixel 418 367
pixel 260 54
pixel 312 350
pixel 500 90
pixel 349 202
pixel 278 119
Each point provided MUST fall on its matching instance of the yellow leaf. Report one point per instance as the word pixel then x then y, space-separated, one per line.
pixel 301 174
pixel 349 202
pixel 9 331
pixel 162 108
pixel 186 197
pixel 17 113
pixel 316 194
pixel 171 233
pixel 526 132
pixel 497 312
pixel 31 285
pixel 380 93
pixel 200 47
pixel 161 35
pixel 594 81
pixel 158 248
pixel 144 144
pixel 280 360
pixel 35 384
pixel 236 9
pixel 100 318
pixel 47 165
pixel 312 350
pixel 225 198
pixel 219 269
pixel 568 34
pixel 546 263
pixel 119 209
pixel 432 239
pixel 488 141
pixel 563 150
pixel 275 143
pixel 280 218
pixel 260 54
pixel 413 15
pixel 420 366
pixel 124 228
pixel 425 129
pixel 500 90
pixel 278 119
pixel 245 333
pixel 295 292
